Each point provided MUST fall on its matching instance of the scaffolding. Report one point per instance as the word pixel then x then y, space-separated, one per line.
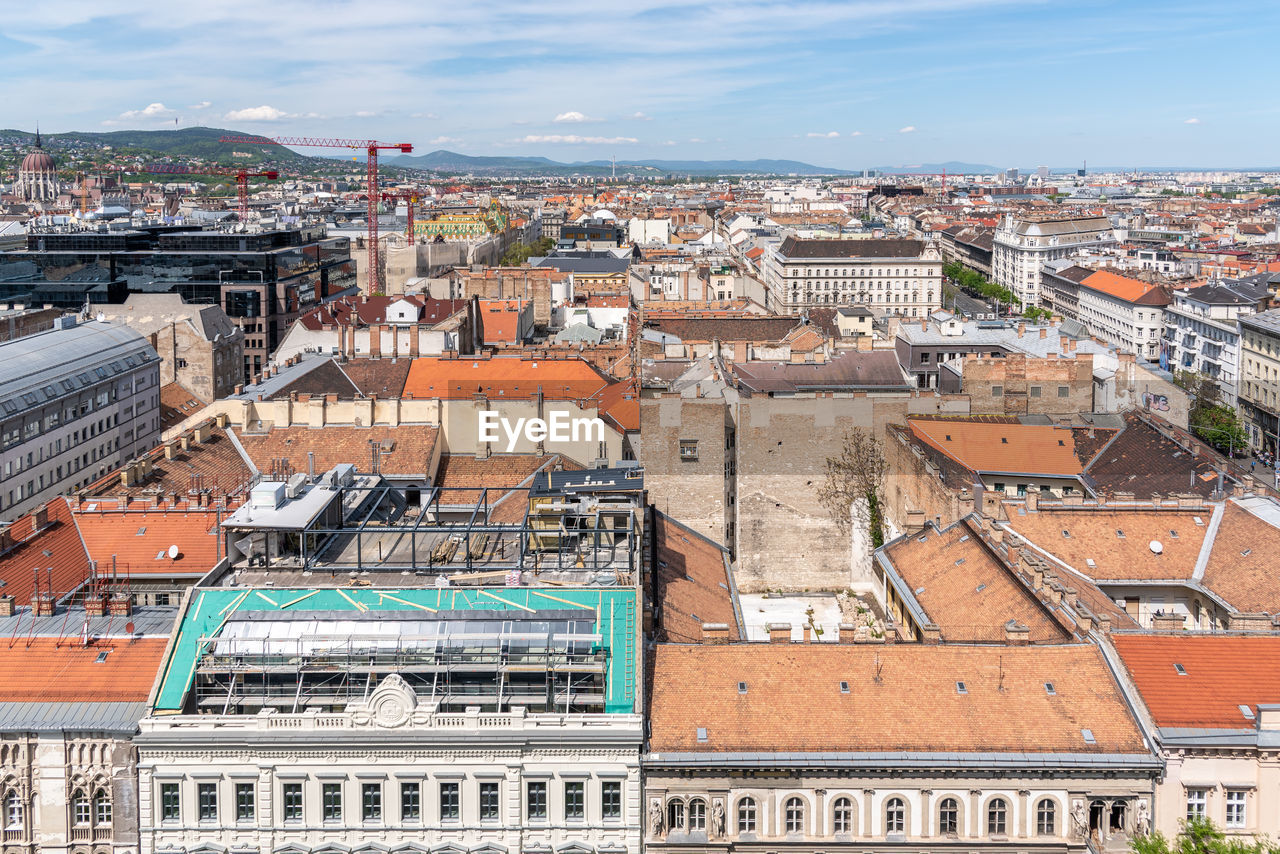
pixel 550 661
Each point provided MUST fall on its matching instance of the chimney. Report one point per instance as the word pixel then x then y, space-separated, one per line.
pixel 779 632
pixel 95 605
pixel 1071 345
pixel 846 632
pixel 1044 333
pixel 202 432
pixel 6 605
pixel 1084 622
pixel 1022 329
pixel 715 633
pixel 120 605
pixel 185 441
pixel 1016 634
pixel 1032 498
pixel 42 517
pixel 1069 596
pixel 1168 622
pixel 170 450
pixel 222 419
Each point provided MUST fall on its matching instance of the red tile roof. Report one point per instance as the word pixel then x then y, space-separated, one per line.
pixel 41 671
pixel 1222 673
pixel 140 541
pixel 55 545
pixel 459 379
pixel 902 697
pixel 693 583
pixel 406 449
pixel 1012 448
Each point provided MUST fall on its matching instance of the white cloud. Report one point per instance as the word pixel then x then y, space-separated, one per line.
pixel 829 135
pixel 908 129
pixel 697 139
pixel 571 116
pixel 856 133
pixel 669 142
pixel 203 105
pixel 150 111
pixel 365 114
pixel 444 140
pixel 1192 121
pixel 423 116
pixel 257 114
pixel 573 139
pixel 641 117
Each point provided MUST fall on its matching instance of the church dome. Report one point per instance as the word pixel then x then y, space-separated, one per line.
pixel 38 161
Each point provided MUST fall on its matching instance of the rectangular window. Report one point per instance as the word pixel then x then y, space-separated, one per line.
pixel 170 802
pixel 689 450
pixel 575 800
pixel 488 801
pixel 1197 801
pixel 207 801
pixel 924 358
pixel 536 799
pixel 450 804
pixel 411 801
pixel 292 797
pixel 331 801
pixel 1063 391
pixel 611 798
pixel 371 802
pixel 1235 808
pixel 997 391
pixel 1035 391
pixel 244 801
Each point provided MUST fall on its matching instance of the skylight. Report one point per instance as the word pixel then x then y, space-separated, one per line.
pixel 1182 671
pixel 1050 690
pixel 961 688
pixel 1088 736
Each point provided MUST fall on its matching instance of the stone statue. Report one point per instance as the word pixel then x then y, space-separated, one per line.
pixel 717 818
pixel 1142 819
pixel 1079 819
pixel 655 817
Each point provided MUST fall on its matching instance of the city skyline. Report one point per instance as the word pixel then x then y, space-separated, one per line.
pixel 841 85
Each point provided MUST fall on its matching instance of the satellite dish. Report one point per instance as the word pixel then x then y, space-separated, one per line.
pixel 129 628
pixel 173 552
pixel 1156 547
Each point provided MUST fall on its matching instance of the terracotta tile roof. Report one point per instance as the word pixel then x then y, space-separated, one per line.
pixel 213 464
pixel 997 448
pixel 369 310
pixel 382 377
pixel 65 553
pixel 139 541
pixel 1124 288
pixel 966 590
pixel 1142 461
pixel 41 671
pixel 459 379
pixel 793 701
pixel 497 472
pixel 693 583
pixel 746 327
pixel 1093 537
pixel 407 449
pixel 1222 673
pixel 177 404
pixel 619 403
pixel 1242 565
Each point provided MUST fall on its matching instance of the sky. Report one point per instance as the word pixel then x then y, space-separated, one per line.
pixel 840 83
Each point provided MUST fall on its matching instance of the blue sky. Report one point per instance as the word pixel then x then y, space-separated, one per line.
pixel 848 84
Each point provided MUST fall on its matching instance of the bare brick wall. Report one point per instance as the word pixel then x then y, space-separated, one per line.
pixel 1029 385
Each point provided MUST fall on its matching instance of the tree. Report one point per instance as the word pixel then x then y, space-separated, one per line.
pixel 521 252
pixel 1210 419
pixel 1199 836
pixel 855 479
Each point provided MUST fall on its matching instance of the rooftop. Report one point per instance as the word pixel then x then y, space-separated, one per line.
pixel 786 698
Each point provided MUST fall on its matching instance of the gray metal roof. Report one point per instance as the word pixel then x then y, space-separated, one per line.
pixel 79 717
pixel 571 264
pixel 148 620
pixel 1267 321
pixel 37 369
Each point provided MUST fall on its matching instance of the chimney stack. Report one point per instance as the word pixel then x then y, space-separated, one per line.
pixel 779 632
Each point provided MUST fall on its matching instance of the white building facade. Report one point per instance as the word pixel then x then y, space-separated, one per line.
pixel 1022 245
pixel 895 277
pixel 1202 333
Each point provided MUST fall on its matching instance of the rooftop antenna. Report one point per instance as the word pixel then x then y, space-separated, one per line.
pixel 879 667
pixel 1000 686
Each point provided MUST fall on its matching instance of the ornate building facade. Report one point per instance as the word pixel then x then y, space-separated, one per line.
pixel 37 176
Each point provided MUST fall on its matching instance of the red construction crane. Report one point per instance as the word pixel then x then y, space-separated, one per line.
pixel 371 147
pixel 242 177
pixel 410 199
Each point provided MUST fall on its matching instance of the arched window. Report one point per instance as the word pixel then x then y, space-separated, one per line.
pixel 895 816
pixel 675 815
pixel 747 815
pixel 13 810
pixel 697 814
pixel 842 816
pixel 80 810
pixel 101 808
pixel 795 815
pixel 997 817
pixel 949 816
pixel 1046 818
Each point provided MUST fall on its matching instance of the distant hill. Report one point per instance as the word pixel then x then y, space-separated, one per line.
pixel 951 167
pixel 184 142
pixel 451 161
